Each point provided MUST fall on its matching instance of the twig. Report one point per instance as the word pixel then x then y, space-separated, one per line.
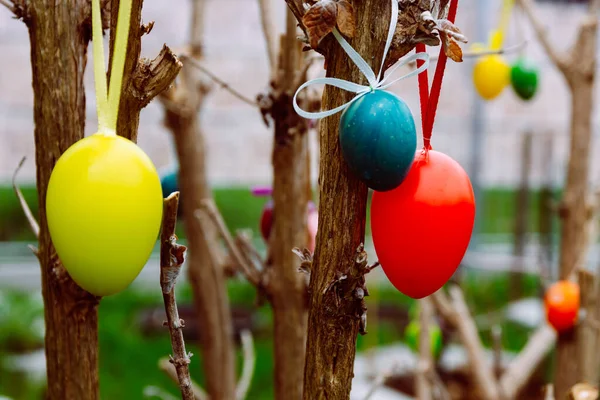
pixel 455 310
pixel 246 247
pixel 171 259
pixel 424 364
pixel 210 210
pixel 6 4
pixel 549 395
pixel 35 227
pixel 522 367
pixel 269 31
pixel 217 80
pixel 497 347
pixel 481 53
pixel 155 391
pixel 165 365
pixel 243 385
pixel 379 381
pixel 542 35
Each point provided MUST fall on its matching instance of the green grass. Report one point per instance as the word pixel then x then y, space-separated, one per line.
pixel 128 357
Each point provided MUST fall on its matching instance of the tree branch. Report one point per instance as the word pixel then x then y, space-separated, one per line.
pixel 555 57
pixel 455 310
pixel 269 31
pixel 8 5
pixel 209 209
pixel 142 79
pixel 169 369
pixel 152 77
pixel 35 227
pixel 522 367
pixel 171 260
pixel 297 7
pixel 425 362
pixel 243 385
pixel 224 85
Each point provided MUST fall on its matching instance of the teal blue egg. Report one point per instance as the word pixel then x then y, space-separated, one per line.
pixel 378 139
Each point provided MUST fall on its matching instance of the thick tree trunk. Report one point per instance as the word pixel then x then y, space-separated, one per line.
pixel 286 285
pixel 206 273
pixel 59 38
pixel 575 215
pixel 205 263
pixel 332 322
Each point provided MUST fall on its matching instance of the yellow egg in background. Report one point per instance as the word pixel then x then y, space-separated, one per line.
pixel 104 209
pixel 491 75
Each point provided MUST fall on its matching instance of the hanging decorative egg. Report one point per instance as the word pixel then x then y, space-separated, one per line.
pixel 266 222
pixel 169 182
pixel 562 305
pixel 378 139
pixel 104 208
pixel 421 230
pixel 491 75
pixel 524 78
pixel 412 334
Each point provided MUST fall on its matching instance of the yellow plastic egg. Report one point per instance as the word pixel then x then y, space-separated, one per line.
pixel 104 210
pixel 491 75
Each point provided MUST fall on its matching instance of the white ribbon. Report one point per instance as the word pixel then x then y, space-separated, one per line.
pixel 375 82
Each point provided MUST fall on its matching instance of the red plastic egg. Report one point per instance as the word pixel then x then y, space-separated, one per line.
pixel 421 229
pixel 562 301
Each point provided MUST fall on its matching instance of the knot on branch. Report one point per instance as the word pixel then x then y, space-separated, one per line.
pixel 350 286
pixel 152 77
pixel 181 361
pixel 170 272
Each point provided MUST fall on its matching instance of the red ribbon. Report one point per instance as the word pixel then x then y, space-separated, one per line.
pixel 429 100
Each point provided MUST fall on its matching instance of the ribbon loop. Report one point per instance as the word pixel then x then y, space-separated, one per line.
pixel 375 82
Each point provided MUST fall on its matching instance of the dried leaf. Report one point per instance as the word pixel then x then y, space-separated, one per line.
pixel 451 30
pixel 345 18
pixel 319 20
pixel 451 48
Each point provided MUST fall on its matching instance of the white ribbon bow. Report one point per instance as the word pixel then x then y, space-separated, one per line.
pixel 375 82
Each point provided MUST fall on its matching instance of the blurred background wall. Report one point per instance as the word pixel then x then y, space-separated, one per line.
pixel 239 143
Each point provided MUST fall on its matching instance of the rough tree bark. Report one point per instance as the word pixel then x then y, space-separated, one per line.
pixel 59 36
pixel 333 321
pixel 142 79
pixel 205 262
pixel 286 286
pixel 578 67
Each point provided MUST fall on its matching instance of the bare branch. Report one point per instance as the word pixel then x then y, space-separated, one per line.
pixel 210 210
pixel 8 5
pixel 532 15
pixel 378 381
pixel 425 362
pixel 297 8
pixel 154 76
pixel 457 313
pixel 246 247
pixel 165 365
pixel 35 227
pixel 522 367
pixel 269 31
pixel 171 259
pixel 224 85
pixel 243 385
